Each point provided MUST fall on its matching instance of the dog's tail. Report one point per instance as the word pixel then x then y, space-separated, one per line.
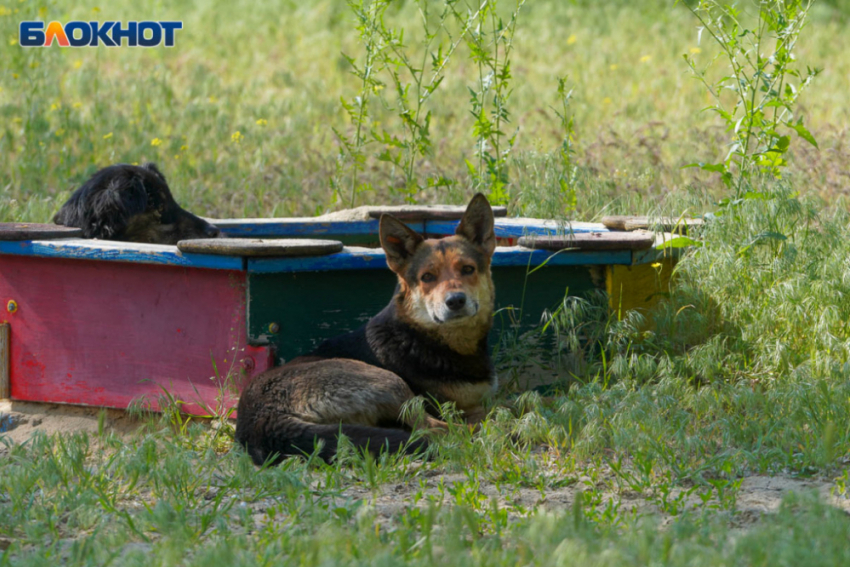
pixel 290 435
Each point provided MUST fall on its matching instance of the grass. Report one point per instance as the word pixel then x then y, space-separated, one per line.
pixel 643 453
pixel 642 457
pixel 246 68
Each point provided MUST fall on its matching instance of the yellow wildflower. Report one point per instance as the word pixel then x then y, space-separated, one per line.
pixel 156 142
pixel 613 67
pixel 78 63
pixel 606 100
pixel 645 58
pixel 107 136
pixel 262 122
pixel 236 137
pixel 696 50
pixel 572 39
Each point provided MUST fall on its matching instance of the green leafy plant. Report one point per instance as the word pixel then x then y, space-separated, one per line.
pixel 404 74
pixel 414 77
pixel 762 75
pixel 569 170
pixel 352 158
pixel 490 45
pixel 413 74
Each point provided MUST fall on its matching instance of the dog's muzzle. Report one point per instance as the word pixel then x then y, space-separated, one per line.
pixel 457 305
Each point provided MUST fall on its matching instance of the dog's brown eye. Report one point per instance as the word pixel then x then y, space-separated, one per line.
pixel 428 277
pixel 466 270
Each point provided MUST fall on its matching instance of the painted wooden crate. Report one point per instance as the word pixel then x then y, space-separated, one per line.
pixel 105 323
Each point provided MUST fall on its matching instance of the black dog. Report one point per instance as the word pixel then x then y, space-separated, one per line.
pixel 131 203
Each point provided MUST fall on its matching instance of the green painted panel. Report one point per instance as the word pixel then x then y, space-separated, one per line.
pixel 543 289
pixel 296 311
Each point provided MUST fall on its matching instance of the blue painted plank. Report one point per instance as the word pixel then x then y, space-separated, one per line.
pixel 283 227
pixel 110 251
pixel 355 258
pixel 520 256
pixel 301 227
pixel 351 258
pixel 516 227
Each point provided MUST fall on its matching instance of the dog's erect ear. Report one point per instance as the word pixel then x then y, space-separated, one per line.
pixel 109 211
pixel 151 166
pixel 477 224
pixel 398 241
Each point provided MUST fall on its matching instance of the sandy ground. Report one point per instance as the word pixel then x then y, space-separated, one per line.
pixel 20 420
pixel 757 496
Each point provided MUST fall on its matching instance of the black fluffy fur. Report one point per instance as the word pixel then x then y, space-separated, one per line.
pixel 389 343
pixel 386 342
pixel 131 203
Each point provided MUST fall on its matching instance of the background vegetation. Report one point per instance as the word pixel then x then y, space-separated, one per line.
pixel 744 369
pixel 241 114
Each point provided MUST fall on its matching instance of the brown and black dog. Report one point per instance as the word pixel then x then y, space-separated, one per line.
pixel 131 203
pixel 431 341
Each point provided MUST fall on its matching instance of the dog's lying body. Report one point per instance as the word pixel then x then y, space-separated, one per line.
pixel 431 340
pixel 131 203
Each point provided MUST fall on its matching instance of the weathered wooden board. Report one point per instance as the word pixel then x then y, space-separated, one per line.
pixel 349 232
pixel 296 311
pixel 667 224
pixel 507 228
pixel 105 334
pixel 591 241
pixel 254 247
pixel 36 231
pixel 410 213
pixel 355 258
pixel 357 232
pixel 112 251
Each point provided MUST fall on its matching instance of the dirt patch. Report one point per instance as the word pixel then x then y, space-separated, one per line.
pixel 757 496
pixel 19 421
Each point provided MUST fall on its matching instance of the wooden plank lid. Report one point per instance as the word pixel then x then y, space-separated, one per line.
pixel 412 213
pixel 667 224
pixel 260 246
pixel 36 231
pixel 407 213
pixel 591 241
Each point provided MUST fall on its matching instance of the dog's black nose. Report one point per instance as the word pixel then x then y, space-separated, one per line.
pixel 456 300
pixel 212 232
